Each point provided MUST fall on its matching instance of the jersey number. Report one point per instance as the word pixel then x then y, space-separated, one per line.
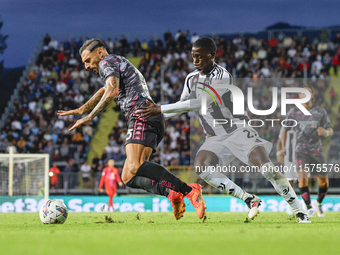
pixel 129 133
pixel 250 134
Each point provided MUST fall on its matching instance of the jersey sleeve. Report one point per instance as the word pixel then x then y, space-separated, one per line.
pixel 184 96
pixel 101 183
pixel 227 78
pixel 325 121
pixel 117 175
pixel 281 131
pixel 107 69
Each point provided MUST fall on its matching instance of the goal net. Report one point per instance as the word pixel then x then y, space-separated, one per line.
pixel 24 181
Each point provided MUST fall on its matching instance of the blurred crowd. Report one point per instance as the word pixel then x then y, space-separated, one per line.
pixel 58 81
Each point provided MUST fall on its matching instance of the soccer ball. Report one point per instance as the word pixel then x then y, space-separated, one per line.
pixel 53 212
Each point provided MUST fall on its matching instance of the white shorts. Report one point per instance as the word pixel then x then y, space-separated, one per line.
pixel 237 145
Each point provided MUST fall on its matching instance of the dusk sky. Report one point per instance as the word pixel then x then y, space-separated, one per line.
pixel 24 21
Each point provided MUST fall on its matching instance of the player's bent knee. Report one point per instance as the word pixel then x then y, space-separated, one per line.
pixel 268 175
pixel 323 184
pixel 205 159
pixel 271 173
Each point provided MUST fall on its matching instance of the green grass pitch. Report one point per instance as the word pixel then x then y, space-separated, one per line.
pixel 160 233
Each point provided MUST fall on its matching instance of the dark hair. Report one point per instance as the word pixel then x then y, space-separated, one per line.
pixel 310 87
pixel 206 43
pixel 312 91
pixel 92 44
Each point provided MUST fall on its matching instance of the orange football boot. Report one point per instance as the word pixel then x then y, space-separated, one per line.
pixel 196 198
pixel 177 203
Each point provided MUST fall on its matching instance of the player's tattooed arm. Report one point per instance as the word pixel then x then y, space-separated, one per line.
pixel 93 101
pixel 89 105
pixel 111 92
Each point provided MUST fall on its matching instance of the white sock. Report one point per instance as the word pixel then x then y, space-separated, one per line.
pixel 282 186
pixel 224 184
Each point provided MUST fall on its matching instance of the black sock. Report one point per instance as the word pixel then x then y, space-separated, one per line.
pixel 306 196
pixel 149 185
pixel 322 194
pixel 160 174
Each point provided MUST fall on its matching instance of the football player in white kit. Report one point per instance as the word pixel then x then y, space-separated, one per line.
pixel 224 142
pixel 286 156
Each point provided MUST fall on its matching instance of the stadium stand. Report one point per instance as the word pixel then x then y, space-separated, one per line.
pixel 57 80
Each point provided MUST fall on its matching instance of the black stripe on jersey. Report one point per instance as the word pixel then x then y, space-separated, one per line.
pixel 219 73
pixel 211 77
pixel 212 70
pixel 226 98
pixel 216 113
pixel 206 126
pixel 188 83
pixel 291 149
pixel 194 85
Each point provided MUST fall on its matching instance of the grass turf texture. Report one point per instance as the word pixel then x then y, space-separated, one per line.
pixel 160 233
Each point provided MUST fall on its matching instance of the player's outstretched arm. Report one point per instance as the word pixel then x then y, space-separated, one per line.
pixel 175 108
pixel 89 105
pixel 111 92
pixel 153 109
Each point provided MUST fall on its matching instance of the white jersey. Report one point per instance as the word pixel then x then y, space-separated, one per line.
pixel 289 159
pixel 219 101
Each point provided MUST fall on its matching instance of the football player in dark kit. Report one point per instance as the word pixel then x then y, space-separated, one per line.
pixel 127 86
pixel 308 152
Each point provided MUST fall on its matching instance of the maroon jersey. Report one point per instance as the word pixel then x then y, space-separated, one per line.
pixel 307 136
pixel 133 90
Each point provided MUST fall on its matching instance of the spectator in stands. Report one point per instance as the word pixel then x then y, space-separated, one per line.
pixel 167 36
pixel 194 38
pixel 21 145
pixel 317 66
pixel 53 44
pixel 333 95
pixel 335 63
pixel 262 54
pixel 124 45
pixel 64 152
pixel 136 47
pixel 85 172
pixel 3 144
pixel 273 42
pixel 47 39
pixel 110 45
pixel 59 124
pixel 61 86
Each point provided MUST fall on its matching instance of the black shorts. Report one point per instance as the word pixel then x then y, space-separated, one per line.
pixel 147 132
pixel 313 162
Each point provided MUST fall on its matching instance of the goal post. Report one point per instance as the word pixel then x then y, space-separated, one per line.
pixel 24 174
